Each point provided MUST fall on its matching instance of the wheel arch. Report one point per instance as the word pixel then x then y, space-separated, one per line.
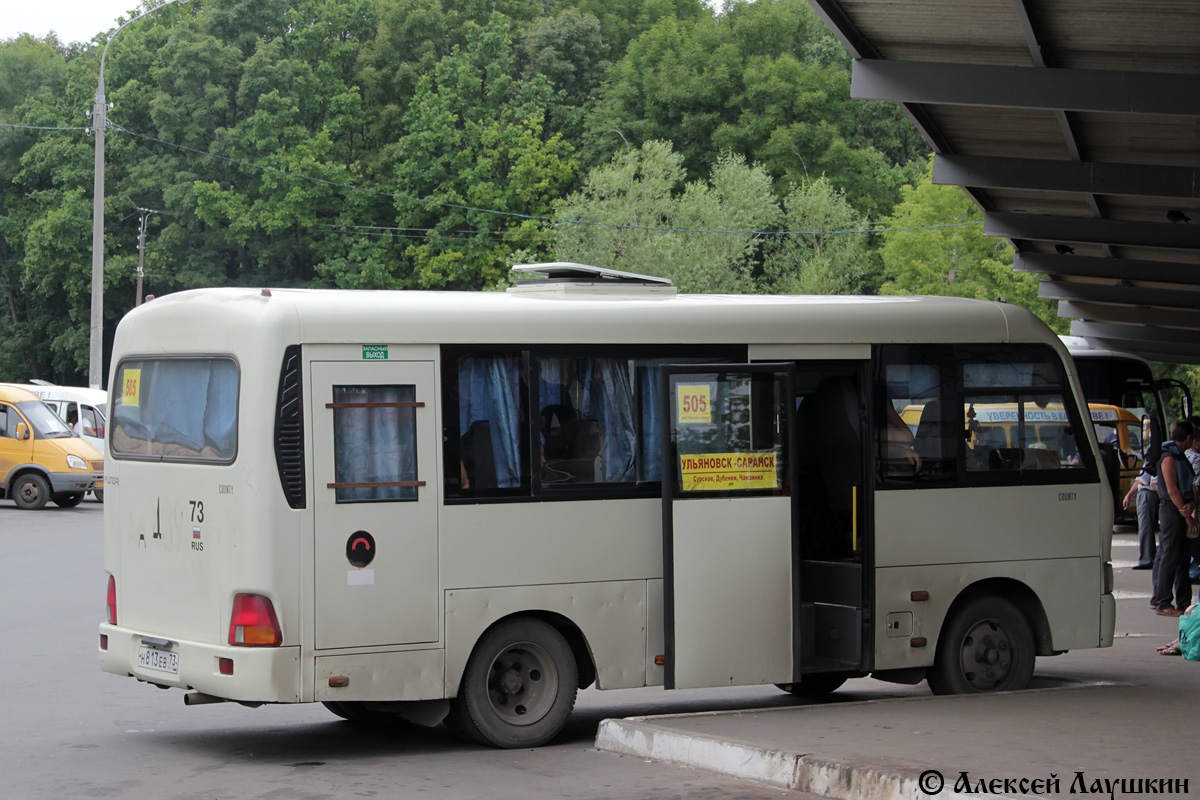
pixel 25 469
pixel 1017 593
pixel 584 661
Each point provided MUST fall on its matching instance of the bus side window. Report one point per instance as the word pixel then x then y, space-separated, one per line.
pixel 486 434
pixel 917 381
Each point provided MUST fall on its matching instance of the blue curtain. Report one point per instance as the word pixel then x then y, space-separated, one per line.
pixel 189 403
pixel 490 389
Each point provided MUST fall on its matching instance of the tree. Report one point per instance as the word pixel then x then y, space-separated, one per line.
pixel 761 80
pixel 826 251
pixel 477 161
pixel 638 214
pixel 937 246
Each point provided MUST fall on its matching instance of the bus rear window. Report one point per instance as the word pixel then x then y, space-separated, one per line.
pixel 176 409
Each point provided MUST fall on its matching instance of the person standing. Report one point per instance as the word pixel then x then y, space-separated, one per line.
pixel 1143 496
pixel 1176 515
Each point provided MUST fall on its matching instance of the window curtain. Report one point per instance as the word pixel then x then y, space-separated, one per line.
pixel 374 445
pixel 489 389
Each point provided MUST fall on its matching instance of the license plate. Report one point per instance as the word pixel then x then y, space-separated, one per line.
pixel 160 660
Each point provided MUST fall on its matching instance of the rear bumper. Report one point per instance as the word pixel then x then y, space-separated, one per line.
pixel 260 674
pixel 61 482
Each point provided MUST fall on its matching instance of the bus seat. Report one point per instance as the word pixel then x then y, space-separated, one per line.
pixel 475 450
pixel 557 430
pixel 937 440
pixel 583 455
pixel 1040 458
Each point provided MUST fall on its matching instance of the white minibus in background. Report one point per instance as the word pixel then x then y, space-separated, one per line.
pixel 470 505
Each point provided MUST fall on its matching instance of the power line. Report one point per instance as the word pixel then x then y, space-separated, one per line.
pixel 43 127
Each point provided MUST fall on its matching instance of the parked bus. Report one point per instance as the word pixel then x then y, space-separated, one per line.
pixel 470 505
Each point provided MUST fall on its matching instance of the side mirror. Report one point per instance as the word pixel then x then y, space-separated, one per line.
pixel 22 430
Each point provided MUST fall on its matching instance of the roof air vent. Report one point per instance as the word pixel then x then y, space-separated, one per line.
pixel 566 277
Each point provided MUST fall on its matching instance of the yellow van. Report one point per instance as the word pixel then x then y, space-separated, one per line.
pixel 41 459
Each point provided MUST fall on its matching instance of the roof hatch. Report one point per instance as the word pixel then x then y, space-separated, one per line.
pixel 565 276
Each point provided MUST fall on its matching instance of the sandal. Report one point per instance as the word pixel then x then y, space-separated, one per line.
pixel 1168 611
pixel 1170 650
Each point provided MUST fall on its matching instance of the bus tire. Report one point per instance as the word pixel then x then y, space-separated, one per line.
pixel 30 491
pixel 99 495
pixel 519 686
pixel 68 499
pixel 815 685
pixel 986 647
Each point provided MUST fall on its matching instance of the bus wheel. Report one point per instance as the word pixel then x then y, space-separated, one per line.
pixel 68 499
pixel 987 647
pixel 519 686
pixel 30 491
pixel 816 685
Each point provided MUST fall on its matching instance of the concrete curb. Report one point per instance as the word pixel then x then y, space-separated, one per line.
pixel 819 774
pixel 805 772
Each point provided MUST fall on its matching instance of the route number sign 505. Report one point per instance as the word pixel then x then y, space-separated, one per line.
pixel 694 403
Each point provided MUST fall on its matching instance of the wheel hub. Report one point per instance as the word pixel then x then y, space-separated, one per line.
pixel 510 682
pixel 986 655
pixel 522 684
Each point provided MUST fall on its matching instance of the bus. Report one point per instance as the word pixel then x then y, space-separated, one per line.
pixel 1114 378
pixel 468 506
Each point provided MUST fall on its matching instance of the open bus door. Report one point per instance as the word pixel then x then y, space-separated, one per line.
pixel 1169 386
pixel 731 585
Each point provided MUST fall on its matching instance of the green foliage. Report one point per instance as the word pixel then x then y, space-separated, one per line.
pixel 417 143
pixel 938 247
pixel 477 140
pixel 762 81
pixel 827 251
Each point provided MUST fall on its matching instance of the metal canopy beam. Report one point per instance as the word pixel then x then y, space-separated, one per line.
pixel 986 172
pixel 1113 268
pixel 1147 352
pixel 1120 295
pixel 1135 337
pixel 1099 312
pixel 1026 87
pixel 1092 231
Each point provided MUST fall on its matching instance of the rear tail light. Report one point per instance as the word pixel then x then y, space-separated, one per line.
pixel 253 622
pixel 111 603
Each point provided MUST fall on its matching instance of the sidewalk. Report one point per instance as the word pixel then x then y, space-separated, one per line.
pixel 1119 713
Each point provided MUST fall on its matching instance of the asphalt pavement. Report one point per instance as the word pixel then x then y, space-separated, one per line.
pixel 1110 722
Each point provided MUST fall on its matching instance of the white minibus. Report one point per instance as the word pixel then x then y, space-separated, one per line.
pixel 468 506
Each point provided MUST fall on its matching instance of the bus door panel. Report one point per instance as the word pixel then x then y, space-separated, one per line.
pixel 731 579
pixel 375 441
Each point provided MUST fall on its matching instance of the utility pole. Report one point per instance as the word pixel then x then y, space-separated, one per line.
pixel 144 213
pixel 99 126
